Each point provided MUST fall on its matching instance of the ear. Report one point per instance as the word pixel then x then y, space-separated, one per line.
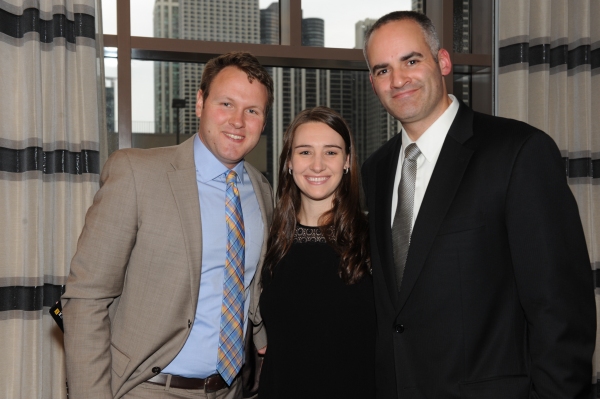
pixel 372 86
pixel 444 62
pixel 199 103
pixel 264 126
pixel 347 164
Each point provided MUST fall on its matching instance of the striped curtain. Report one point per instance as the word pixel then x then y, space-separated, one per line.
pixel 49 163
pixel 549 76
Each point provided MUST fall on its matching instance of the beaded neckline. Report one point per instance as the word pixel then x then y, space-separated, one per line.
pixel 308 234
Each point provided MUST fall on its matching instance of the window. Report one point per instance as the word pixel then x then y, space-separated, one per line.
pixel 162 64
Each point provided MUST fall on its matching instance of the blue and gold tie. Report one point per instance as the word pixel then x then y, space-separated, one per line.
pixel 231 340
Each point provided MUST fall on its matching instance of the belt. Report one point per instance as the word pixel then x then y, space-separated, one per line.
pixel 211 383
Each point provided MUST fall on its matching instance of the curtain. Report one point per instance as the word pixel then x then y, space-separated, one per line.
pixel 50 126
pixel 549 76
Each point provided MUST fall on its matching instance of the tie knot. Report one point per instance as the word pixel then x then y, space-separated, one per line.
pixel 231 177
pixel 412 152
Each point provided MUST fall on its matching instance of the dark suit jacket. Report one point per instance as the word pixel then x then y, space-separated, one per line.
pixel 132 292
pixel 497 299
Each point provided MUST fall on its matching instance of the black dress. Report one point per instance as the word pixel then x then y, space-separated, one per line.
pixel 320 331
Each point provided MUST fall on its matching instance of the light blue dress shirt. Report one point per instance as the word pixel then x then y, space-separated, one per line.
pixel 198 357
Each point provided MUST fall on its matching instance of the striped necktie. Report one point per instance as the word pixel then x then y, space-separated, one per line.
pixel 402 226
pixel 231 342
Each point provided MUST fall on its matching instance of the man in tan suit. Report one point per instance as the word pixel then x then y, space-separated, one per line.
pixel 142 305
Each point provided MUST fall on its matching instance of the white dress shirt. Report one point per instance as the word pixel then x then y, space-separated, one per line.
pixel 430 144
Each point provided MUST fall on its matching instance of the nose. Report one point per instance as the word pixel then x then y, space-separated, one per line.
pixel 399 78
pixel 317 164
pixel 236 119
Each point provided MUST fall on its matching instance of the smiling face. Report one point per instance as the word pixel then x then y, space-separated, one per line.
pixel 233 115
pixel 317 161
pixel 406 77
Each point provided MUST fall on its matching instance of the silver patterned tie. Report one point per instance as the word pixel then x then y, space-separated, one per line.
pixel 402 226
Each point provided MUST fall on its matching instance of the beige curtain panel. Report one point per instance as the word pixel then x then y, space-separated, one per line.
pixel 549 76
pixel 49 168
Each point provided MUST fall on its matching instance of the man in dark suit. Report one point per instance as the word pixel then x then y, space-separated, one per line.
pixel 482 277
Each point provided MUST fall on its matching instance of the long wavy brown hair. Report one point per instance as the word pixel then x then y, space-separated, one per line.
pixel 344 226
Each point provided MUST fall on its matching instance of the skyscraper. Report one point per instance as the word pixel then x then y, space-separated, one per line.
pixel 374 125
pixel 348 92
pixel 269 24
pixel 295 88
pixel 360 30
pixel 418 5
pixel 213 20
pixel 313 32
pixel 166 74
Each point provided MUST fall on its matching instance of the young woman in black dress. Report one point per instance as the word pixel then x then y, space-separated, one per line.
pixel 317 299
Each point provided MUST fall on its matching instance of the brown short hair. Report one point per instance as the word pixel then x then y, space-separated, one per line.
pixel 245 62
pixel 424 22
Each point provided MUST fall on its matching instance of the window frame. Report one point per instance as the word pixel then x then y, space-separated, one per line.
pixel 288 53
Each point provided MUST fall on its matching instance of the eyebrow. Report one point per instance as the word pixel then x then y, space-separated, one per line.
pixel 411 55
pixel 223 98
pixel 403 58
pixel 226 98
pixel 325 146
pixel 379 66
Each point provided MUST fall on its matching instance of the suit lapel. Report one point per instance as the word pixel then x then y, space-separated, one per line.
pixel 386 172
pixel 262 190
pixel 185 190
pixel 442 187
pixel 264 196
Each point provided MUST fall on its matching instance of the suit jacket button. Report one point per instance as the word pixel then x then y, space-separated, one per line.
pixel 156 370
pixel 399 328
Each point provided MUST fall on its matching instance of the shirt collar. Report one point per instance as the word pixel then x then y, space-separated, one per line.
pixel 431 141
pixel 208 167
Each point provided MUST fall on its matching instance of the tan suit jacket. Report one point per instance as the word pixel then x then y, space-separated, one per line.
pixel 132 292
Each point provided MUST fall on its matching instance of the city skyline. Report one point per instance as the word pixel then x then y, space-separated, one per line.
pixel 143 94
pixel 338 25
pixel 348 92
pixel 223 20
